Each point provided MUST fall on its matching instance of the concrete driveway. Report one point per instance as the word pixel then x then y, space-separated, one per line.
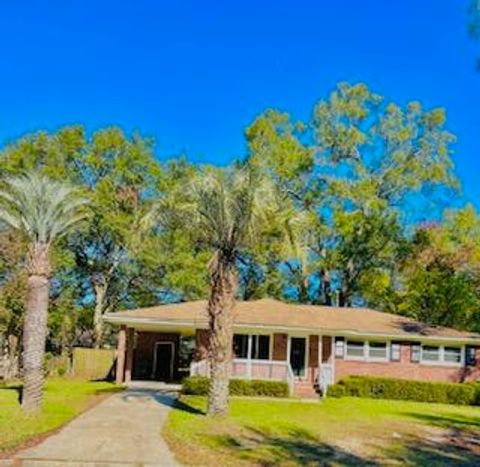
pixel 123 430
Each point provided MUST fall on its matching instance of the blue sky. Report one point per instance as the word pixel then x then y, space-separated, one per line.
pixel 193 74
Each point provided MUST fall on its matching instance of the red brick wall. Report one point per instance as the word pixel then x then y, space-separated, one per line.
pixel 312 357
pixel 143 353
pixel 326 349
pixel 405 369
pixel 280 346
pixel 201 345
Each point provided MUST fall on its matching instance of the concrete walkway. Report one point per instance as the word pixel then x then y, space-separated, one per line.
pixel 122 431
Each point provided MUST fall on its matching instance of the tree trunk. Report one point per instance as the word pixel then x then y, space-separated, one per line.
pixel 100 294
pixel 345 296
pixel 326 291
pixel 220 312
pixel 303 295
pixel 10 357
pixel 35 328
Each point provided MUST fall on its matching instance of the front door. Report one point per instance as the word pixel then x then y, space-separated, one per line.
pixel 297 355
pixel 163 361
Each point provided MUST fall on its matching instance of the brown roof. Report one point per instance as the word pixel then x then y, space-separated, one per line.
pixel 275 314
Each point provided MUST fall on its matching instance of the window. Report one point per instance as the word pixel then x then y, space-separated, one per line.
pixel 430 353
pixel 415 353
pixel 339 347
pixel 186 350
pixel 395 349
pixel 240 345
pixel 260 347
pixel 377 350
pixel 355 349
pixel 452 354
pixel 470 356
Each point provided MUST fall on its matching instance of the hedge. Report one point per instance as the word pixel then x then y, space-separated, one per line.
pixel 420 391
pixel 198 386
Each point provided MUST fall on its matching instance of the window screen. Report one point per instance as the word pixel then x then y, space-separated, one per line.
pixel 415 353
pixel 452 354
pixel 430 353
pixel 339 347
pixel 240 345
pixel 260 347
pixel 395 349
pixel 355 349
pixel 377 350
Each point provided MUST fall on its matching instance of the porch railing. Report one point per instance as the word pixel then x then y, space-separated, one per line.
pixel 242 368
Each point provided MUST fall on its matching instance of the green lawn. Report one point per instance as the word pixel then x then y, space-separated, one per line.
pixel 64 398
pixel 347 431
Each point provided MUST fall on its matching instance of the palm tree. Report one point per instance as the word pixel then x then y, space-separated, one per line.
pixel 230 208
pixel 43 211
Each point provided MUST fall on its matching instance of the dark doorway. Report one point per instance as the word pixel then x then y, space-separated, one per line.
pixel 297 355
pixel 163 361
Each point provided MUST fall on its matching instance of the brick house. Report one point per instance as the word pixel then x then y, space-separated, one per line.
pixel 308 346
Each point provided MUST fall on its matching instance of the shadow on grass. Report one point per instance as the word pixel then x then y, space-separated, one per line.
pixel 295 446
pixel 457 448
pixel 446 420
pixel 453 439
pixel 17 387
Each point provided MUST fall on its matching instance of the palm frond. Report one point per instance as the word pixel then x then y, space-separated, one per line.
pixel 42 208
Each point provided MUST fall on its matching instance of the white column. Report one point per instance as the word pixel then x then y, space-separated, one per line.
pixel 249 357
pixel 320 353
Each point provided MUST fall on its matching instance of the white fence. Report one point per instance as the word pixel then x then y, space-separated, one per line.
pixel 275 370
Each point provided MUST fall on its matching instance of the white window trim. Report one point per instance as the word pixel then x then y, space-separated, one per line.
pixel 441 361
pixel 354 357
pixel 250 346
pixel 390 345
pixel 378 359
pixel 366 348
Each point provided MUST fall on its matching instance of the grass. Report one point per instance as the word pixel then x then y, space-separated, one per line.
pixel 64 399
pixel 346 431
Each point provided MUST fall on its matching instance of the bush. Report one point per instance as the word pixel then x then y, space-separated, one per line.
pixel 198 386
pixel 195 385
pixel 56 365
pixel 420 391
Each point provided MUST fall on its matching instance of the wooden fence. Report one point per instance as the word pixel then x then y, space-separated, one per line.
pixel 93 363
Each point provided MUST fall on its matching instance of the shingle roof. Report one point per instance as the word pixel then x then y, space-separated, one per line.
pixel 274 314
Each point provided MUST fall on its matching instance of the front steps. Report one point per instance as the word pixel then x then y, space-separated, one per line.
pixel 305 390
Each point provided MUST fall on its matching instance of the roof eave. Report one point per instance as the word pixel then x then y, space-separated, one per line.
pixel 142 321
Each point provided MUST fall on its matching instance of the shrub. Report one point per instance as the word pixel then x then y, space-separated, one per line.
pixel 198 386
pixel 195 385
pixel 420 391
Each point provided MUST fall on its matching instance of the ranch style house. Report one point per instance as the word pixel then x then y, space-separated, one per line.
pixel 308 346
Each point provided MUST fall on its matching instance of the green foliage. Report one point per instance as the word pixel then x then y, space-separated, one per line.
pixel 420 391
pixel 349 175
pixel 195 385
pixel 199 386
pixel 440 274
pixel 257 387
pixel 40 208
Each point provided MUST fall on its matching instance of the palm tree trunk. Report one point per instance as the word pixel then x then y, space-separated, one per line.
pixel 35 328
pixel 220 312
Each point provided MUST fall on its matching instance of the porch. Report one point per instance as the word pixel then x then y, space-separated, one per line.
pixel 304 362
